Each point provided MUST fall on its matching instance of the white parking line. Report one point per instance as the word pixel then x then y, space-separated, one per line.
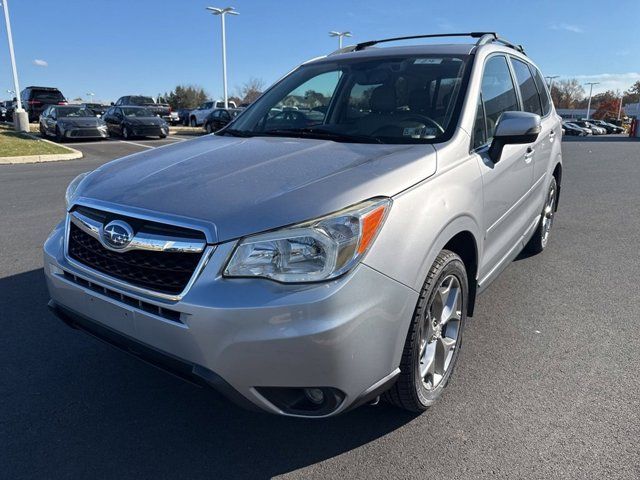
pixel 137 144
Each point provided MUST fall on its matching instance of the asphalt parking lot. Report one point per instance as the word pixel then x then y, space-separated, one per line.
pixel 546 387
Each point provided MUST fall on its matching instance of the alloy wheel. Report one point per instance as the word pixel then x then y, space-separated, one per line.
pixel 547 215
pixel 440 332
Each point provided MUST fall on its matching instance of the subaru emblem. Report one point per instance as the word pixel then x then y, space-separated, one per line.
pixel 117 234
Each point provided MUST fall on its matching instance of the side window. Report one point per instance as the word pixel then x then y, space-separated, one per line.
pixel 498 92
pixel 224 115
pixel 479 126
pixel 528 91
pixel 542 88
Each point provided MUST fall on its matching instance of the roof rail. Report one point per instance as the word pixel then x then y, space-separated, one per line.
pixel 493 37
pixel 483 39
pixel 370 43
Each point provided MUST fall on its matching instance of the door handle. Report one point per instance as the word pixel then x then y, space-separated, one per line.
pixel 529 154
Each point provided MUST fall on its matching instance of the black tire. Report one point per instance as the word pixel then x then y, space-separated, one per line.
pixel 162 135
pixel 540 237
pixel 208 128
pixel 43 133
pixel 193 122
pixel 59 137
pixel 410 391
pixel 125 133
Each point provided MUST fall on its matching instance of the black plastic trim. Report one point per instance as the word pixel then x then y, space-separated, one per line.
pixel 190 372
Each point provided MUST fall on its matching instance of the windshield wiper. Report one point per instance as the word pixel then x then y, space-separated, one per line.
pixel 310 132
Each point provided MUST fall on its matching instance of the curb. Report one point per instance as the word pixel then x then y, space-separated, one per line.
pixel 56 157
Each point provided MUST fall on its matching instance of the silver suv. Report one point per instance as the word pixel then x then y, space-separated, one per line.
pixel 327 247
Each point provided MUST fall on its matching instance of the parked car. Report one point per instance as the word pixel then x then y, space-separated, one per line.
pixel 6 110
pixel 131 122
pixel 65 122
pixel 573 129
pixel 303 265
pixel 183 116
pixel 219 118
pixel 590 126
pixel 162 110
pixel 609 127
pixel 36 99
pixel 198 116
pixel 97 109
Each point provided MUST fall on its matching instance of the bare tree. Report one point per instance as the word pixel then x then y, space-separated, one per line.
pixel 567 93
pixel 251 90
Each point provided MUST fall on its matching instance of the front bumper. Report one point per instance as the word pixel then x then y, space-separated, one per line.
pixel 88 132
pixel 347 334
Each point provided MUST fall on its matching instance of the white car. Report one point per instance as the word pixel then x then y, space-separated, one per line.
pixel 198 116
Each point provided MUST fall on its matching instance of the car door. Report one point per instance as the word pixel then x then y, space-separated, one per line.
pixel 548 144
pixel 201 114
pixel 224 119
pixel 51 120
pixel 508 181
pixel 118 124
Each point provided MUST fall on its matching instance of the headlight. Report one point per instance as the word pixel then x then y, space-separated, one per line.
pixel 69 196
pixel 318 250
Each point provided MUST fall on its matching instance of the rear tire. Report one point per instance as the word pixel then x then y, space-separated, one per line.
pixel 435 336
pixel 193 122
pixel 541 236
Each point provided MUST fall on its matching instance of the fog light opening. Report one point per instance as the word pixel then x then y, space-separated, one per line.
pixel 314 395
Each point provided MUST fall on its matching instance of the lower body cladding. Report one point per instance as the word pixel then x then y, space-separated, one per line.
pixel 311 350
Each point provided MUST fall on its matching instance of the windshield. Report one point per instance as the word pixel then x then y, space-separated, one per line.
pixel 389 100
pixel 74 112
pixel 136 112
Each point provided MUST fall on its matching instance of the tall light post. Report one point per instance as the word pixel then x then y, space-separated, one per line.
pixel 591 84
pixel 620 106
pixel 223 12
pixel 550 80
pixel 340 36
pixel 20 118
pixel 91 94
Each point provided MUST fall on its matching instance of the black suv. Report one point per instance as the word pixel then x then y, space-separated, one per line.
pixel 36 99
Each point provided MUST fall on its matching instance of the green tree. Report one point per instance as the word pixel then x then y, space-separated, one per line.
pixel 185 96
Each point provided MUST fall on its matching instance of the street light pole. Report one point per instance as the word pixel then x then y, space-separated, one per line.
pixel 340 36
pixel 222 12
pixel 620 106
pixel 19 115
pixel 550 80
pixel 591 84
pixel 91 94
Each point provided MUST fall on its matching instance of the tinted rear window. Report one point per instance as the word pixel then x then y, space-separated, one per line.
pixel 47 96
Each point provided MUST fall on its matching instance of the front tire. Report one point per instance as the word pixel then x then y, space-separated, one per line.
pixel 208 128
pixel 125 133
pixel 541 236
pixel 435 336
pixel 193 122
pixel 59 137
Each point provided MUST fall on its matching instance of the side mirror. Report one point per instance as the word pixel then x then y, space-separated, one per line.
pixel 514 128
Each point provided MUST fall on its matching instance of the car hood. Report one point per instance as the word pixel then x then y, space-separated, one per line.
pixel 240 186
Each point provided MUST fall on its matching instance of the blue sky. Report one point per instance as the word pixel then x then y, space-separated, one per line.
pixel 118 47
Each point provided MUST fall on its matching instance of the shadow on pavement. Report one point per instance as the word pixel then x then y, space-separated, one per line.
pixel 82 409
